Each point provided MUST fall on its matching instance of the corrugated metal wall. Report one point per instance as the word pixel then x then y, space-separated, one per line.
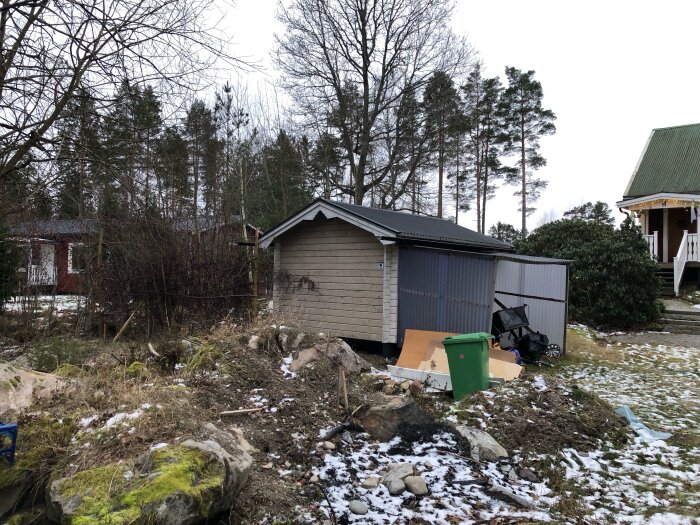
pixel 543 287
pixel 444 291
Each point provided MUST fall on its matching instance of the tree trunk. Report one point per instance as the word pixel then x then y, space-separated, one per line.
pixel 522 167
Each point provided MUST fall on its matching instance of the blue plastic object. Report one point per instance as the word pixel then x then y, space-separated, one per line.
pixel 643 431
pixel 9 430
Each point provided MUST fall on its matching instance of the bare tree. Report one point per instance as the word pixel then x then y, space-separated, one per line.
pixel 49 48
pixel 351 63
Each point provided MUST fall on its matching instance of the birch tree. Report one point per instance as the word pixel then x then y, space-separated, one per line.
pixel 359 60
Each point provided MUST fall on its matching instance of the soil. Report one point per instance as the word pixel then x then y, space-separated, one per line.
pixel 285 433
pixel 521 417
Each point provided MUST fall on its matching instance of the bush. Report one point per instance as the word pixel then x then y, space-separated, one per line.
pixel 9 262
pixel 612 282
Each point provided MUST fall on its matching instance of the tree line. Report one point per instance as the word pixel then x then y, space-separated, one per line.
pixel 388 108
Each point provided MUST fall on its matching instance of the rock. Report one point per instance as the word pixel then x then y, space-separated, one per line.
pixel 11 497
pixel 329 445
pixel 298 340
pixel 338 351
pixel 395 486
pixel 358 507
pixel 254 342
pixel 346 438
pixel 390 387
pixel 428 464
pixel 511 473
pixel 508 494
pixel 483 446
pixel 268 466
pixel 416 485
pixel 98 394
pixel 405 386
pixel 19 387
pixel 382 421
pixel 313 479
pixel 282 338
pixel 370 483
pixel 394 478
pixel 305 357
pixel 179 485
pixel 528 475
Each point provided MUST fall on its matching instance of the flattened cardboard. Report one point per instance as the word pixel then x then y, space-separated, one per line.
pixel 437 362
pixel 418 345
pixel 423 353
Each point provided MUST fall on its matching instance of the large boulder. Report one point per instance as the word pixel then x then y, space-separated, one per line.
pixel 338 351
pixel 19 387
pixel 382 421
pixel 483 447
pixel 175 485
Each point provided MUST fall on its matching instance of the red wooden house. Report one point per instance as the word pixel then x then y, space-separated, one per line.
pixel 55 253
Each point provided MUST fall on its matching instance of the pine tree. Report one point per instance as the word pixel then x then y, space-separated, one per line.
pixel 527 122
pixel 441 104
pixel 598 213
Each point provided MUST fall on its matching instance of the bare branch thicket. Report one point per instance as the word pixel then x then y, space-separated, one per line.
pixel 351 64
pixel 49 49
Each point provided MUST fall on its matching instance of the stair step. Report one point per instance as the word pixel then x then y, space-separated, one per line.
pixel 687 313
pixel 680 322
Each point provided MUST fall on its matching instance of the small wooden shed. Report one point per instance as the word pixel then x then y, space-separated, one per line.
pixel 365 273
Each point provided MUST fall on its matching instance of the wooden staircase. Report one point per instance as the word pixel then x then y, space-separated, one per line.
pixel 681 322
pixel 665 273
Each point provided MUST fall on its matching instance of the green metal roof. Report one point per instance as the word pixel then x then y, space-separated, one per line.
pixel 670 163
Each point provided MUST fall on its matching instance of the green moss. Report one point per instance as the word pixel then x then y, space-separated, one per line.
pixel 206 358
pixel 68 371
pixel 6 385
pixel 40 444
pixel 25 518
pixel 137 369
pixel 106 494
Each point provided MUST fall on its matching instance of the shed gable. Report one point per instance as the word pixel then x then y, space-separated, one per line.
pixel 330 278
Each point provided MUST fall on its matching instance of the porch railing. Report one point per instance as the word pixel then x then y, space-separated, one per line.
pixel 653 242
pixel 688 251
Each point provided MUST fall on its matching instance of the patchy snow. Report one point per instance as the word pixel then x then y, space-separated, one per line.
pixel 643 482
pixel 60 304
pixel 86 421
pixel 158 446
pixel 457 485
pixel 539 384
pixel 288 374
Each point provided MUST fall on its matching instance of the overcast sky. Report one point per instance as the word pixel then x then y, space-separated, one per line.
pixel 610 70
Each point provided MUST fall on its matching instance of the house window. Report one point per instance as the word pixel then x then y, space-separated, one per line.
pixel 77 257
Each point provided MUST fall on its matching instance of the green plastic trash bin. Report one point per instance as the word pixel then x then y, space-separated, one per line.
pixel 468 357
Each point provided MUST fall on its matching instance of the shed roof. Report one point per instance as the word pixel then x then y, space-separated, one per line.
pixel 670 163
pixel 55 227
pixel 393 225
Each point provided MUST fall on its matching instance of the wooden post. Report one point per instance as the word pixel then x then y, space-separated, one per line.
pixel 342 389
pixel 255 273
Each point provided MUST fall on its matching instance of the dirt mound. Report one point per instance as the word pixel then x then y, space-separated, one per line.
pixel 543 415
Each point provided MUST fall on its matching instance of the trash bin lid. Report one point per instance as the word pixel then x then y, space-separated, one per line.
pixel 467 338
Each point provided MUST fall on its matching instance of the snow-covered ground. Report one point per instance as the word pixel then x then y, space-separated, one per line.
pixel 459 488
pixel 60 304
pixel 643 482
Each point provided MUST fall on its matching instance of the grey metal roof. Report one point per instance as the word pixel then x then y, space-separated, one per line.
pixel 421 228
pixel 530 259
pixel 55 227
pixel 670 163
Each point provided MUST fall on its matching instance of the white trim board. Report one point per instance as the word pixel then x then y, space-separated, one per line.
pixel 329 212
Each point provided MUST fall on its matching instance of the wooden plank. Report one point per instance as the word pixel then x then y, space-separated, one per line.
pixel 331 300
pixel 438 380
pixel 312 266
pixel 321 311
